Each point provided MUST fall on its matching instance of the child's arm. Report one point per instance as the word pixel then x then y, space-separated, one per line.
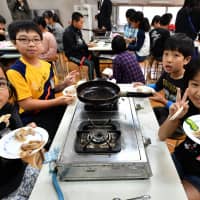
pixel 169 126
pixel 29 104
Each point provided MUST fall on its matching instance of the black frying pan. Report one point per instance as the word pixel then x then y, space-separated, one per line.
pixel 98 92
pixel 103 92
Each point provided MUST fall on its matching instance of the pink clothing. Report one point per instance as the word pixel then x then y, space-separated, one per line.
pixel 49 47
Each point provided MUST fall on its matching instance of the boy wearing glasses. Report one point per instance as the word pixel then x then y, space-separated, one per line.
pixel 34 80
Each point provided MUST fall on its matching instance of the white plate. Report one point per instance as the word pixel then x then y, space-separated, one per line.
pixel 70 89
pixel 10 147
pixel 188 131
pixel 144 89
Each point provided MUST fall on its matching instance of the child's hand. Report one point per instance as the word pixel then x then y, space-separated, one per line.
pixel 67 99
pixel 71 78
pixel 159 97
pixel 180 103
pixel 5 118
pixel 32 125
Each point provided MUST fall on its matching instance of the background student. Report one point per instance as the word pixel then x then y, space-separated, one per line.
pixel 2 28
pixel 49 51
pixel 130 33
pixel 55 27
pixel 126 68
pixel 141 46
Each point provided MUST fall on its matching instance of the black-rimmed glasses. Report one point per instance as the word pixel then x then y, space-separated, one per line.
pixel 27 41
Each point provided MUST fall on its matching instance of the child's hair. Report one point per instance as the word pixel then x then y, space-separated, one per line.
pixel 181 43
pixel 156 19
pixel 76 16
pixel 166 19
pixel 22 25
pixel 143 21
pixel 118 44
pixel 130 12
pixel 193 69
pixel 40 21
pixel 51 14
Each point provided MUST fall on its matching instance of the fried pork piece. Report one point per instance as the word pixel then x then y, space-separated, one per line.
pixel 197 134
pixel 21 134
pixel 28 148
pixel 32 145
pixel 24 154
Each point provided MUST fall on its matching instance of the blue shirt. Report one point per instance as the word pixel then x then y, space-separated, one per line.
pixel 130 32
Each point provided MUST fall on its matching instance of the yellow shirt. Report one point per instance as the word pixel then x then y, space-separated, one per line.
pixel 31 81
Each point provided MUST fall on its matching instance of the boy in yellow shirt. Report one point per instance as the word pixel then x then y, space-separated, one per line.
pixel 34 80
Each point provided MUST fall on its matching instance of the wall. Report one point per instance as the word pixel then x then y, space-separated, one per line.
pixel 65 7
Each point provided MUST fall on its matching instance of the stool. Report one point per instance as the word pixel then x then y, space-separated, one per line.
pixel 65 66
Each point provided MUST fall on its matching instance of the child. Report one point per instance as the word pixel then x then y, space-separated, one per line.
pixel 141 46
pixel 178 51
pixel 53 22
pixel 187 154
pixel 2 28
pixel 34 82
pixel 125 66
pixel 49 44
pixel 16 180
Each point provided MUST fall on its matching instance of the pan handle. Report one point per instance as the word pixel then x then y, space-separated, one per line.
pixel 135 94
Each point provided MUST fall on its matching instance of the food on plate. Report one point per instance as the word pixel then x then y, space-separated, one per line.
pixel 70 90
pixel 21 134
pixel 192 124
pixel 4 118
pixel 144 89
pixel 197 134
pixel 28 148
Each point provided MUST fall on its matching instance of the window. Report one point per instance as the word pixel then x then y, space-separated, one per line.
pixel 147 10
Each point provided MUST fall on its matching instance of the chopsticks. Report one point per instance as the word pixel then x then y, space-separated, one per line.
pixel 175 115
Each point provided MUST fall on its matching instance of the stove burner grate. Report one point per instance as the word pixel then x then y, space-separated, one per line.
pixel 98 137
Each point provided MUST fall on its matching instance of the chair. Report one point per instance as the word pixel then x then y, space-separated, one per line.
pixel 154 69
pixel 65 66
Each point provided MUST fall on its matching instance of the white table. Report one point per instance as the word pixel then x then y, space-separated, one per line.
pixel 8 50
pixel 101 46
pixel 163 185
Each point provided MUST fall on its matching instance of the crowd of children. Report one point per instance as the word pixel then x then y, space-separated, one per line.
pixel 34 86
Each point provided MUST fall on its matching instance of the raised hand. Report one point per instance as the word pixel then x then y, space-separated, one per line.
pixel 180 107
pixel 71 78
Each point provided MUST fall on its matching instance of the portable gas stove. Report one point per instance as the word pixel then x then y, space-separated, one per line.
pixel 104 143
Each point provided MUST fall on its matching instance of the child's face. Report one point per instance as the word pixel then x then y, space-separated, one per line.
pixel 4 92
pixel 29 44
pixel 174 61
pixel 194 90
